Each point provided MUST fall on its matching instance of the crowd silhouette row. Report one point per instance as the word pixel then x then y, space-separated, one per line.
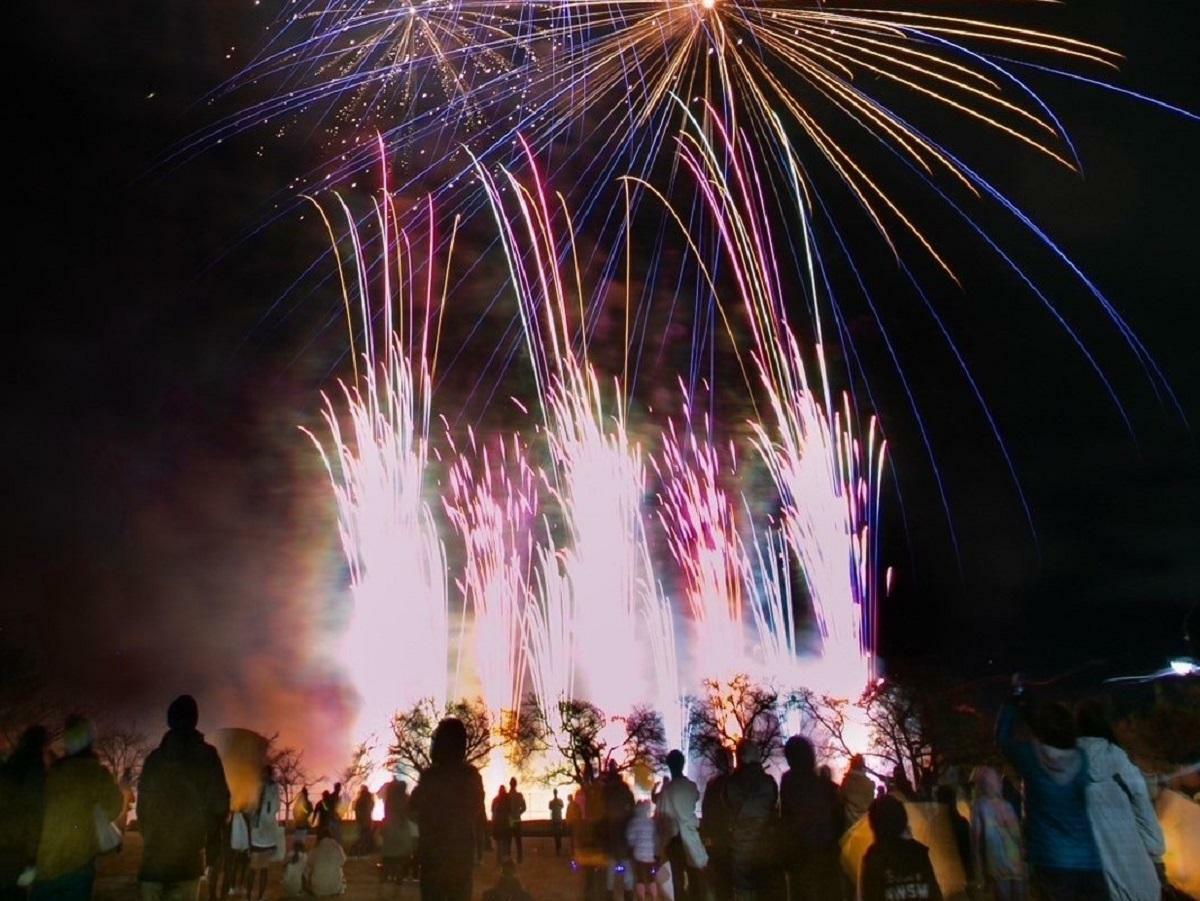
pixel 1081 825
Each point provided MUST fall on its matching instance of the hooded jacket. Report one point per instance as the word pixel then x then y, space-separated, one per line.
pixel 75 786
pixel 182 799
pixel 1058 833
pixel 1128 835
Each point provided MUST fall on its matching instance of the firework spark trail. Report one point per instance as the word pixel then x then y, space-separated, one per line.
pixel 494 70
pixel 698 520
pixel 396 647
pixel 492 504
pixel 828 480
pixel 598 477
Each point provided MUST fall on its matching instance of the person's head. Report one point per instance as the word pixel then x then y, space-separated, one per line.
pixel 556 792
pixel 825 773
pixel 304 792
pixel 858 763
pixel 800 755
pixel 888 818
pixel 1091 721
pixel 78 734
pixel 675 763
pixel 183 714
pixel 363 791
pixel 401 785
pixel 987 782
pixel 268 774
pixel 589 772
pixel 30 750
pixel 449 742
pixel 748 753
pixel 946 794
pixel 337 788
pixel 1054 726
pixel 512 784
pixel 502 791
pixel 326 796
pixel 611 771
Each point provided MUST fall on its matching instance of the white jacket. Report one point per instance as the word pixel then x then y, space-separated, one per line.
pixel 677 816
pixel 1124 824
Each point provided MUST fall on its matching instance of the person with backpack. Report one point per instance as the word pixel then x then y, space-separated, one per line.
pixel 182 801
pixel 81 798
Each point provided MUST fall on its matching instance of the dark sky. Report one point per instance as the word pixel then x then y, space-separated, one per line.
pixel 168 527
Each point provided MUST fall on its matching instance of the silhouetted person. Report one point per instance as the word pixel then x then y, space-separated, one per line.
pixel 857 791
pixel 1060 848
pixel 895 866
pixel 618 805
pixel 947 796
pixel 812 825
pixel 679 831
pixel 556 822
pixel 395 799
pixel 364 810
pixel 516 809
pixel 335 811
pixel 1126 828
pixel 323 816
pixel 751 797
pixel 302 812
pixel 78 788
pixel 448 807
pixel 716 825
pixel 501 825
pixel 182 803
pixel 899 786
pixel 507 887
pixel 22 802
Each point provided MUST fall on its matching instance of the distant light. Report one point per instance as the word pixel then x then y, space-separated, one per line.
pixel 1184 666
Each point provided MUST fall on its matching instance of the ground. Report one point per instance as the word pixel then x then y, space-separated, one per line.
pixel 547 878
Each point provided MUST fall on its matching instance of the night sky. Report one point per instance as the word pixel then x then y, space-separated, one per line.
pixel 168 527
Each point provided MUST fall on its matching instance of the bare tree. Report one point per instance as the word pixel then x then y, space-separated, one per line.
pixel 412 733
pixel 733 710
pixel 359 770
pixel 581 739
pixel 287 763
pixel 122 750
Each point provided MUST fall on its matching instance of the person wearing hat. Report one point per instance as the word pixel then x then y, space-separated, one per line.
pixel 183 800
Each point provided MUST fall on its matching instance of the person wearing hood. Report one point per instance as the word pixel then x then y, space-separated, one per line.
pixel 857 791
pixel 679 831
pixel 812 825
pixel 996 838
pixel 80 794
pixel 1061 850
pixel 447 805
pixel 1126 828
pixel 182 802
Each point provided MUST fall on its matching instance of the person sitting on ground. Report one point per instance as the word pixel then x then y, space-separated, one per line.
pixel 507 887
pixel 996 838
pixel 79 790
pixel 642 841
pixel 895 867
pixel 857 791
pixel 325 876
pixel 294 869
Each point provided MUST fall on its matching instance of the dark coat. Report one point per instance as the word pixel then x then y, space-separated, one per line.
pixel 898 869
pixel 811 813
pixel 22 801
pixel 182 801
pixel 448 807
pixel 750 797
